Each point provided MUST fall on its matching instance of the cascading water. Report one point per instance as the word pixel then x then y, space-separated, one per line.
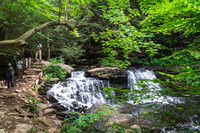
pixel 85 91
pixel 134 77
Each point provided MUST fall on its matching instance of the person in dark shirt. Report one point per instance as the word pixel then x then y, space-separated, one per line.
pixel 11 72
pixel 28 56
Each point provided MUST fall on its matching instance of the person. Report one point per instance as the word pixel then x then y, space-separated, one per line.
pixel 38 51
pixel 19 65
pixel 11 72
pixel 28 56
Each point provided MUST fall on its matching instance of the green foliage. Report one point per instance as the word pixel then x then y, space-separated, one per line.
pixel 123 38
pixel 73 52
pixel 55 70
pixel 166 16
pixel 37 88
pixel 168 62
pixel 84 122
pixel 185 83
pixel 192 51
pixel 57 60
pixel 108 61
pixel 33 104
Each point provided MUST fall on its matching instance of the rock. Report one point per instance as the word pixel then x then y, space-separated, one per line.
pixel 58 122
pixel 52 130
pixel 110 117
pixel 22 128
pixel 20 110
pixel 42 106
pixel 129 108
pixel 47 122
pixel 2 114
pixel 51 99
pixel 75 104
pixel 135 126
pixel 59 107
pixel 54 80
pixel 49 111
pixel 116 76
pixel 107 73
pixel 8 95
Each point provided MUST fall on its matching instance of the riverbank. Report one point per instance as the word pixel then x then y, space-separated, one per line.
pixel 15 113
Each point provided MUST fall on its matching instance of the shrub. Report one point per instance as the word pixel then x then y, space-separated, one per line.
pixel 33 104
pixel 55 70
pixel 108 61
pixel 84 122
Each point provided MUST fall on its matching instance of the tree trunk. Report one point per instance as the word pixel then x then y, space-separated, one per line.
pixel 48 47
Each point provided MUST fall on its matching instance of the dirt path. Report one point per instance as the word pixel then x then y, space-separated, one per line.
pixel 14 114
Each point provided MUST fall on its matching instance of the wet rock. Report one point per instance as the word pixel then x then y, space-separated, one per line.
pixel 129 108
pixel 59 107
pixel 22 128
pixel 116 76
pixel 110 117
pixel 51 99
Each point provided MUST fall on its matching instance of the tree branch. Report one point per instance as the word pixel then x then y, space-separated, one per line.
pixel 16 43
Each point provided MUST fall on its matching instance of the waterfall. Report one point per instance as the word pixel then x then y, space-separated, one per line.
pixel 134 76
pixel 85 91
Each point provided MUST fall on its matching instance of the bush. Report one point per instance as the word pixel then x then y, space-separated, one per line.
pixel 55 70
pixel 108 61
pixel 33 104
pixel 84 122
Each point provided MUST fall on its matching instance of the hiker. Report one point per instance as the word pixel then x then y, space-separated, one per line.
pixel 38 51
pixel 28 56
pixel 19 65
pixel 11 72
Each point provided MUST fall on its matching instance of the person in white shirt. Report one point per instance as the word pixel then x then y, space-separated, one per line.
pixel 19 65
pixel 38 51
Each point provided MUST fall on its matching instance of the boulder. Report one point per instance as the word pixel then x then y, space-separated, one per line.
pixel 112 116
pixel 108 73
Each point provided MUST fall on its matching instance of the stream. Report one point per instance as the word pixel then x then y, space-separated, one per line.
pixel 87 91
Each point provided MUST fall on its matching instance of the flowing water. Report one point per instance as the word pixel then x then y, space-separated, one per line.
pixel 189 123
pixel 134 77
pixel 86 91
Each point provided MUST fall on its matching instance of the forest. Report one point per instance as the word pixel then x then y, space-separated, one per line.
pixel 124 34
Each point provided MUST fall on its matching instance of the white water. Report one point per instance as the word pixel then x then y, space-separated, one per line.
pixel 134 77
pixel 86 91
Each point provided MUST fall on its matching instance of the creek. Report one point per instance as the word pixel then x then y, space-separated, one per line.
pixel 87 91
